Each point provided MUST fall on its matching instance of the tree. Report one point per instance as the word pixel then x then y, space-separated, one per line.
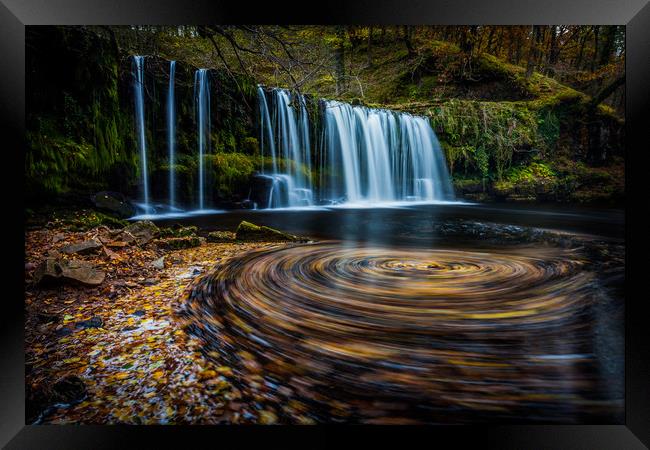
pixel 339 58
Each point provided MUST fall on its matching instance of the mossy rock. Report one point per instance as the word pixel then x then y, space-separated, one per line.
pixel 178 232
pixel 178 243
pixel 221 236
pixel 247 231
pixel 86 220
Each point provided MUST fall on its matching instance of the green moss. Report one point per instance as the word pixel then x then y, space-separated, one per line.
pixel 178 232
pixel 84 220
pixel 488 133
pixel 247 231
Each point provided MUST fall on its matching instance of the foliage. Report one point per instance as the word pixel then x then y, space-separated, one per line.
pixel 487 132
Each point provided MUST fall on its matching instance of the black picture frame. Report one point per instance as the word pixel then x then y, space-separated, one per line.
pixel 16 14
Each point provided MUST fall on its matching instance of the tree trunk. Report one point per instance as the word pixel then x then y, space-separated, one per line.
pixel 606 92
pixel 595 56
pixel 533 50
pixel 369 48
pixel 609 35
pixel 339 59
pixel 407 40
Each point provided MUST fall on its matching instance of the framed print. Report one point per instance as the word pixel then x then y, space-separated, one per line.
pixel 414 219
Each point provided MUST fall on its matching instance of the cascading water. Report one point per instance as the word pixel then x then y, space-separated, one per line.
pixel 376 155
pixel 171 130
pixel 285 139
pixel 138 92
pixel 202 105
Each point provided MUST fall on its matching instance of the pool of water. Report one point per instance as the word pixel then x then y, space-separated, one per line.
pixel 446 313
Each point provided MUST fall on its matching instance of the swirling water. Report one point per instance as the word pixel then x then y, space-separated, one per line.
pixel 478 322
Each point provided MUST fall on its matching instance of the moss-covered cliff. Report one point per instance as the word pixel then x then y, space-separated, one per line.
pixel 507 134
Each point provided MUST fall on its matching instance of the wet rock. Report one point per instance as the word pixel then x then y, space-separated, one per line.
pixel 178 243
pixel 139 232
pixel 94 322
pixel 63 331
pixel 114 202
pixel 82 248
pixel 247 231
pixel 159 263
pixel 139 313
pixel 221 236
pixel 52 271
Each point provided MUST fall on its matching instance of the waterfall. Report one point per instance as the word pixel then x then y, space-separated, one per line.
pixel 377 155
pixel 202 108
pixel 171 130
pixel 138 92
pixel 285 139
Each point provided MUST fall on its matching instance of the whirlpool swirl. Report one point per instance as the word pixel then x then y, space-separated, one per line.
pixel 410 335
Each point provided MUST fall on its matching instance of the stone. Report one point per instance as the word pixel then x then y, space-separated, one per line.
pixel 47 271
pixel 159 263
pixel 178 231
pixel 221 236
pixel 114 202
pixel 82 272
pixel 178 243
pixel 82 248
pixel 94 322
pixel 53 270
pixel 247 231
pixel 139 232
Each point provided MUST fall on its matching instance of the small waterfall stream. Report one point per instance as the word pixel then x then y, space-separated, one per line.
pixel 171 130
pixel 285 139
pixel 377 155
pixel 366 156
pixel 202 104
pixel 138 93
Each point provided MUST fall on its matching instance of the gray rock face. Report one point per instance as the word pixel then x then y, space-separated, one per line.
pixel 82 248
pixel 114 202
pixel 52 270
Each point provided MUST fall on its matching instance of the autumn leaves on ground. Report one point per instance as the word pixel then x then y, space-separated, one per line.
pixel 102 341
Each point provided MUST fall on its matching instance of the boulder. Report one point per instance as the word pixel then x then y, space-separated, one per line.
pixel 47 271
pixel 221 236
pixel 82 248
pixel 178 243
pixel 53 270
pixel 114 202
pixel 178 231
pixel 82 272
pixel 139 232
pixel 247 231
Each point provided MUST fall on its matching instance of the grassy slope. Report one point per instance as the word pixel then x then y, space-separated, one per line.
pixel 505 136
